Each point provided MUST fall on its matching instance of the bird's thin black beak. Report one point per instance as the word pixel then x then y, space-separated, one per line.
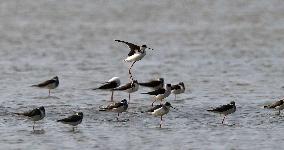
pixel 173 107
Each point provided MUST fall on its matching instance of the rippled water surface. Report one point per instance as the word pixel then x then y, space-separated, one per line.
pixel 222 50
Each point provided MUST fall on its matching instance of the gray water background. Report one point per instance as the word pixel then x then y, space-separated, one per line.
pixel 222 50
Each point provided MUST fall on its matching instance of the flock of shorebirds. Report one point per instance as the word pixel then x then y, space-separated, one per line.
pixel 159 93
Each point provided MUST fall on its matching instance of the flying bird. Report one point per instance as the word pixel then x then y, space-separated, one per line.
pixel 136 53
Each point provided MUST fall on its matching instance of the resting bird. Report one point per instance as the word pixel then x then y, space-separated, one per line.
pixel 49 84
pixel 154 84
pixel 160 93
pixel 278 105
pixel 225 109
pixel 35 114
pixel 110 85
pixel 178 89
pixel 118 107
pixel 160 110
pixel 73 120
pixel 129 88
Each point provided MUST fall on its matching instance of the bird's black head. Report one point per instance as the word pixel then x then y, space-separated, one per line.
pixel 161 79
pixel 124 101
pixel 232 103
pixel 169 85
pixel 281 101
pixel 55 78
pixel 41 108
pixel 182 84
pixel 79 114
pixel 168 104
pixel 144 46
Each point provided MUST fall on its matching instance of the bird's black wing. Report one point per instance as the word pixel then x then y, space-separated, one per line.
pixel 45 83
pixel 151 83
pixel 31 113
pixel 132 47
pixel 73 118
pixel 278 103
pixel 222 108
pixel 107 85
pixel 156 92
pixel 175 87
pixel 123 87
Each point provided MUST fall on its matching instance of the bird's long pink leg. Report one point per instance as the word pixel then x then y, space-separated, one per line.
pixel 111 98
pixel 153 102
pixel 161 122
pixel 129 71
pixel 48 92
pixel 129 98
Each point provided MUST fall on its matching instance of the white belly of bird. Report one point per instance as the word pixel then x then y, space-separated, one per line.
pixel 135 57
pixel 160 112
pixel 36 118
pixel 162 96
pixel 51 86
pixel 118 110
pixel 159 97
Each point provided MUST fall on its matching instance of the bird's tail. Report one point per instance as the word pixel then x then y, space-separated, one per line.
pixel 266 106
pixel 102 108
pixel 34 85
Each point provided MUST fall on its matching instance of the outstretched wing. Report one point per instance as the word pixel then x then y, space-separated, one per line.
pixel 132 47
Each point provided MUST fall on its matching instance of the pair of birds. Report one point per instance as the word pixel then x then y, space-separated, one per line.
pixel 157 111
pixel 231 108
pixel 39 113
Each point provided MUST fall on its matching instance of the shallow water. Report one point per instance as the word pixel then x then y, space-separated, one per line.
pixel 222 51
